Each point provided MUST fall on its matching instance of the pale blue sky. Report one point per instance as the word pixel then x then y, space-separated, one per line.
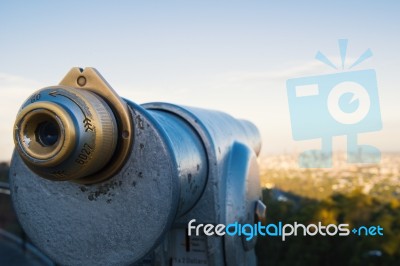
pixel 234 56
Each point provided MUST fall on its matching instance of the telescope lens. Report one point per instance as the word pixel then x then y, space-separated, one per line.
pixel 47 133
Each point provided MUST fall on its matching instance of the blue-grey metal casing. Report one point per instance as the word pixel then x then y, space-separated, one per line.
pixel 186 163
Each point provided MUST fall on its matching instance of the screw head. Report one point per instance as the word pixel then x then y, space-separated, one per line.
pixel 81 81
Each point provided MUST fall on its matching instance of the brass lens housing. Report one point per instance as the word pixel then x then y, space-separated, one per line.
pixel 66 133
pixel 80 130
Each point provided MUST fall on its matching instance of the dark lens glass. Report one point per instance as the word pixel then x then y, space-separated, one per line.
pixel 47 133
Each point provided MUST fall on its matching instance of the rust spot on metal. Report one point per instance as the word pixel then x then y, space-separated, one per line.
pixel 104 189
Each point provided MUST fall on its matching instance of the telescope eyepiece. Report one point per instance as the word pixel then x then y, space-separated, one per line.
pixel 79 130
pixel 64 133
pixel 44 133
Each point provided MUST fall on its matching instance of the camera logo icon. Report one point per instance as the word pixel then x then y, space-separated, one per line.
pixel 344 103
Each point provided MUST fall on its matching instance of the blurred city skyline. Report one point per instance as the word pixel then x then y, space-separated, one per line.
pixel 230 56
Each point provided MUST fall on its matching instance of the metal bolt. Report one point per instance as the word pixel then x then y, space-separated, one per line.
pixel 81 81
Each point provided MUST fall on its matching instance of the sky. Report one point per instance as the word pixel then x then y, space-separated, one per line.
pixel 233 56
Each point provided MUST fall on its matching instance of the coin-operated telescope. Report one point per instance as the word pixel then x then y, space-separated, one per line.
pixel 99 180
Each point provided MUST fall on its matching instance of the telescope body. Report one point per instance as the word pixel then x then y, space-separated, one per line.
pixel 141 181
